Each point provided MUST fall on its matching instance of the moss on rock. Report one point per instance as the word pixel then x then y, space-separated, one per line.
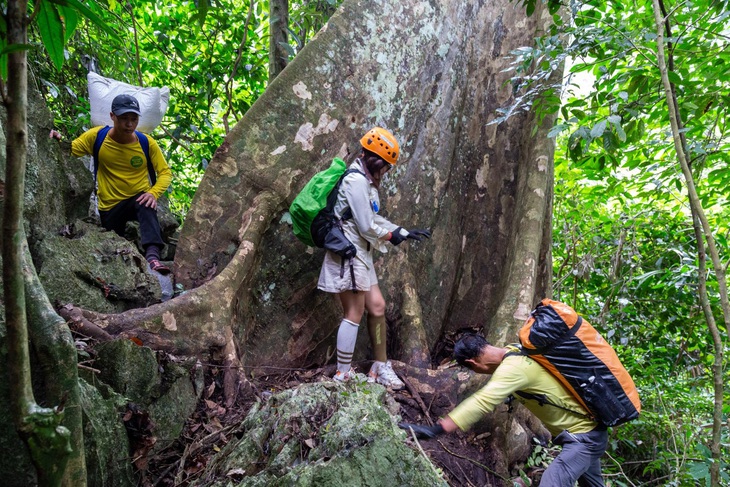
pixel 323 434
pixel 96 270
pixel 105 438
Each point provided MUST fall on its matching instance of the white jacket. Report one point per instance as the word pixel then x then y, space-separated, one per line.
pixel 366 226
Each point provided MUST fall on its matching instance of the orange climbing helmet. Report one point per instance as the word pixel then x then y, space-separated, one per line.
pixel 383 143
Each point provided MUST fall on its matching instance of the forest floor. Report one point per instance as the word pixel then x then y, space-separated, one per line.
pixel 459 456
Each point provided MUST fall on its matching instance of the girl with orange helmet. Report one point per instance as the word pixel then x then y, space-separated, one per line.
pixel 356 283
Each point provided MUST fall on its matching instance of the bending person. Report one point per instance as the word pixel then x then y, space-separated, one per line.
pixel 583 440
pixel 355 281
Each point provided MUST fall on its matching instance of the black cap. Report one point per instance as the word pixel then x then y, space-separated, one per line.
pixel 125 104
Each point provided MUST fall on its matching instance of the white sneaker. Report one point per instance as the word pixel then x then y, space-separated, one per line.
pixel 344 376
pixel 382 373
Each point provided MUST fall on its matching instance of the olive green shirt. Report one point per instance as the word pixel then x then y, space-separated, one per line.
pixel 521 373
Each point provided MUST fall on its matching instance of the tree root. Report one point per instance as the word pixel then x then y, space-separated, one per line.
pixel 199 320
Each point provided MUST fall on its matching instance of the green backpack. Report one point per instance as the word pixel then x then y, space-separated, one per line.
pixel 312 211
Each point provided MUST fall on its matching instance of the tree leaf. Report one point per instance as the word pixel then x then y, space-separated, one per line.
pixel 674 77
pixel 88 13
pixel 598 129
pixel 557 129
pixel 15 48
pixel 70 19
pixel 51 30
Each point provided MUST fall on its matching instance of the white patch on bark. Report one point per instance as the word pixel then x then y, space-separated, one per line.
pixel 278 150
pixel 300 89
pixel 524 305
pixel 228 167
pixel 542 163
pixel 482 175
pixel 168 321
pixel 307 132
pixel 522 312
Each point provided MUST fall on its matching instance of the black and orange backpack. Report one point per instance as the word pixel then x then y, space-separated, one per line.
pixel 582 360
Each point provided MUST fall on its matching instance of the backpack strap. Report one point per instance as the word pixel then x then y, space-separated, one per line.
pixel 517 349
pixel 543 400
pixel 100 136
pixel 143 142
pixel 347 214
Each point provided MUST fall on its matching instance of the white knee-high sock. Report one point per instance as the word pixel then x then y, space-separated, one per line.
pixel 346 337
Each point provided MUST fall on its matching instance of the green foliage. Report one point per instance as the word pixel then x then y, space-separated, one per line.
pixel 622 122
pixel 212 55
pixel 629 264
pixel 624 248
pixel 667 442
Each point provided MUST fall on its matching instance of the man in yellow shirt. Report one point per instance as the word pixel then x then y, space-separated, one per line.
pixel 125 192
pixel 583 440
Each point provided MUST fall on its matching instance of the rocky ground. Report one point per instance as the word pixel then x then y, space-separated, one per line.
pixel 463 458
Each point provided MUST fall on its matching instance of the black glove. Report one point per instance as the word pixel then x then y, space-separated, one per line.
pixel 418 234
pixel 423 432
pixel 398 235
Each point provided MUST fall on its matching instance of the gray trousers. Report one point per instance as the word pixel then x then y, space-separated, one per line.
pixel 580 460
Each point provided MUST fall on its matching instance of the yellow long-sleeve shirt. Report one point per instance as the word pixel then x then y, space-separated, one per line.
pixel 123 168
pixel 521 373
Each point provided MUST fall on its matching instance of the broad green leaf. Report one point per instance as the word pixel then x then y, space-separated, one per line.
pixel 529 7
pixel 15 48
pixel 86 12
pixel 70 21
pixel 615 121
pixel 598 129
pixel 674 77
pixel 51 30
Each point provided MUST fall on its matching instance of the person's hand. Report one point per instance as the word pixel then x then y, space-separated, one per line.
pixel 398 235
pixel 148 200
pixel 418 234
pixel 54 134
pixel 423 432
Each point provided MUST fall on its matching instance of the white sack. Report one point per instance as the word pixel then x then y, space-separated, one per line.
pixel 152 101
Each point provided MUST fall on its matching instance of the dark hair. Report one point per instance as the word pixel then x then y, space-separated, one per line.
pixel 469 347
pixel 373 161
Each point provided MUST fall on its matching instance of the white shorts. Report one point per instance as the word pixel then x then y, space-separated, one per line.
pixel 333 278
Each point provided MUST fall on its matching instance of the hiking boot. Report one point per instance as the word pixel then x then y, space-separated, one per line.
pixel 158 266
pixel 344 376
pixel 382 373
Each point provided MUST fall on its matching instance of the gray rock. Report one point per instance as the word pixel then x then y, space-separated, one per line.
pixel 322 434
pixel 95 269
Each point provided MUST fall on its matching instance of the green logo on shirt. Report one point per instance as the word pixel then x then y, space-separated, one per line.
pixel 136 161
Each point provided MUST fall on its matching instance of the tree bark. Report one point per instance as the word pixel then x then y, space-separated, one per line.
pixel 278 37
pixel 435 79
pixel 55 353
pixel 40 429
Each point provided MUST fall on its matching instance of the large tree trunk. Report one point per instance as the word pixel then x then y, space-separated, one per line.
pixel 433 73
pixel 430 71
